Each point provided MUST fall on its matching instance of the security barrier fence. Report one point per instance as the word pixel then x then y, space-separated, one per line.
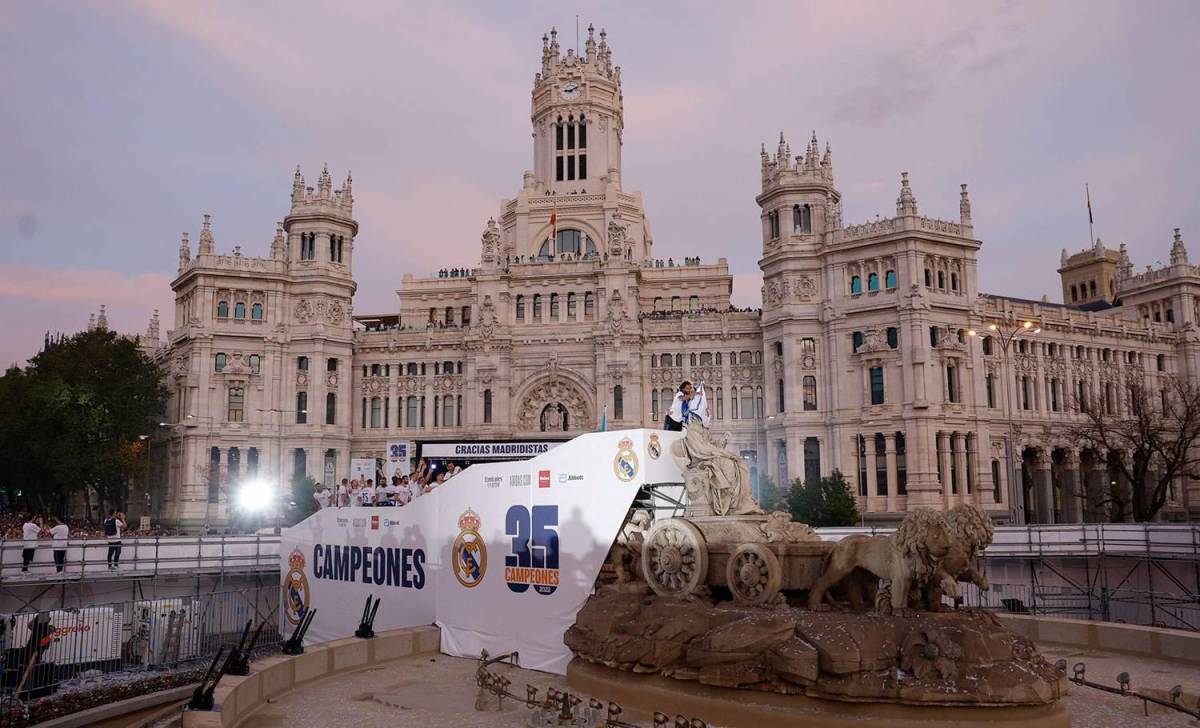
pixel 63 660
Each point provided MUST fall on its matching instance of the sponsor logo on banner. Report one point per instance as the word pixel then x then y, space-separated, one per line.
pixel 625 464
pixel 654 447
pixel 543 478
pixel 469 551
pixel 569 477
pixel 492 481
pixel 295 589
pixel 374 523
pixel 518 480
pixel 533 560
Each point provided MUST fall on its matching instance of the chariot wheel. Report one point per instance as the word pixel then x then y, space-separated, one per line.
pixel 674 558
pixel 753 574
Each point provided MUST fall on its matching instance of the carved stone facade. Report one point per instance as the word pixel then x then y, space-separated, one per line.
pixel 859 360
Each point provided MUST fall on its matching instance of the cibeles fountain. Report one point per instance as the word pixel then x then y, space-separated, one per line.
pixel 742 617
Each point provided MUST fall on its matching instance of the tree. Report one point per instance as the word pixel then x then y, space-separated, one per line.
pixel 72 419
pixel 299 503
pixel 1151 442
pixel 771 497
pixel 825 502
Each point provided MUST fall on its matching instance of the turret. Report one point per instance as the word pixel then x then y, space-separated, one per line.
pixel 318 232
pixel 798 198
pixel 152 328
pixel 964 209
pixel 1179 254
pixel 206 237
pixel 906 203
pixel 278 245
pixel 185 252
pixel 1124 264
pixel 102 319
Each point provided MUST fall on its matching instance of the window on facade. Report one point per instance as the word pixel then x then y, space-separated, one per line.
pixel 747 402
pixel 954 281
pixel 676 303
pixel 773 223
pixel 952 383
pixel 235 464
pixel 553 306
pixel 862 466
pixel 809 385
pixel 447 411
pixel 214 475
pixel 570 140
pixel 654 406
pixel 996 480
pixel 537 307
pixel 989 383
pixel 873 282
pixel 1170 315
pixel 487 406
pixel 720 404
pixel 299 462
pixel 812 460
pixel 237 404
pixel 1160 362
pixel 693 303
pixel 733 402
pixel 1025 400
pixel 941 279
pixel 758 402
pixel 881 481
pixel 302 363
pixel 465 316
pixel 1092 288
pixel 618 402
pixel 808 347
pixel 331 365
pixel 855 285
pixel 410 411
pixel 987 345
pixel 928 278
pixel 666 360
pixel 331 409
pixel 706 359
pixel 877 394
pixel 933 336
pixel 889 280
pixel 589 305
pixel 256 312
pixel 692 358
pixel 571 306
pixel 856 340
pixel 432 315
pixel 802 218
pixel 219 362
pixel 901 465
pixel 779 393
pixel 1074 294
pixel 255 364
pixel 239 310
pixel 301 408
pixel 223 309
pixel 520 308
pixel 893 337
pixel 252 461
pixel 376 412
pixel 1053 394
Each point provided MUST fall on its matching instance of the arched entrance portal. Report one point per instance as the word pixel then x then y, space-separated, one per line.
pixel 554 418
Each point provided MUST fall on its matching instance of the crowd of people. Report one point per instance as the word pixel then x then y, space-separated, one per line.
pixel 401 490
pixel 455 273
pixel 11 524
pixel 36 531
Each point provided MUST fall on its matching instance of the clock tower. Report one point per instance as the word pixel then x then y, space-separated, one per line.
pixel 577 117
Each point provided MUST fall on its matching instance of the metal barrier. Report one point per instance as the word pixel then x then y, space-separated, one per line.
pixel 139 557
pixel 89 655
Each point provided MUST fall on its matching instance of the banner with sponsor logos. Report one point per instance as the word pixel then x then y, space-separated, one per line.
pixel 508 552
pixel 485 450
pixel 399 454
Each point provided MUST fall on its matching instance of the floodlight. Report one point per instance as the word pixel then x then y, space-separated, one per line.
pixel 254 496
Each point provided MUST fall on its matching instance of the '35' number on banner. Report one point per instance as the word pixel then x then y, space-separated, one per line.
pixel 534 557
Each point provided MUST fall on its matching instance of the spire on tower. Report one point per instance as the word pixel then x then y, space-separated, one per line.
pixel 297 186
pixel 1179 254
pixel 206 237
pixel 1062 258
pixel 152 328
pixel 906 204
pixel 102 319
pixel 964 207
pixel 590 46
pixel 278 246
pixel 827 160
pixel 1124 264
pixel 324 183
pixel 782 154
pixel 91 322
pixel 185 252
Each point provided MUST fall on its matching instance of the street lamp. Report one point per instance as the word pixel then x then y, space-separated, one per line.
pixel 1016 496
pixel 279 461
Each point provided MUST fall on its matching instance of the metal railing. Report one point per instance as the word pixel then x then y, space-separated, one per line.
pixel 140 557
pixel 63 660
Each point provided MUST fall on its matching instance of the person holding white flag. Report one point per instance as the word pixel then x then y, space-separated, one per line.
pixel 690 401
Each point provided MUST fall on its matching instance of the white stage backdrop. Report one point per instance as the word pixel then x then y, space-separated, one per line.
pixel 505 553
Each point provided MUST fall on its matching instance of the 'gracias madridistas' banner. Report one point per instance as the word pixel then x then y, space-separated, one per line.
pixel 502 557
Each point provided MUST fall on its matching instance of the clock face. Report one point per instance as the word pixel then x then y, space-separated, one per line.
pixel 571 91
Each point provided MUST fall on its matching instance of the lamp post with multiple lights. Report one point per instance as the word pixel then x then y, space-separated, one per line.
pixel 1006 336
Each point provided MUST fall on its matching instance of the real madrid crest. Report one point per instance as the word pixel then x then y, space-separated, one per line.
pixel 295 588
pixel 654 447
pixel 625 464
pixel 469 551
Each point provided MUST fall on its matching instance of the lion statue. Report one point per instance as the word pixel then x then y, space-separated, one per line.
pixel 973 532
pixel 626 552
pixel 907 558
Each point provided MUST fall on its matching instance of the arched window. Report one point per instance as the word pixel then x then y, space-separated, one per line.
pixel 219 362
pixel 809 384
pixel 449 316
pixel 239 310
pixel 954 281
pixel 1074 294
pixel 987 345
pixel 553 306
pixel 569 241
pixel 571 306
pixel 520 308
pixel 465 316
pixel 376 412
pixel 301 408
pixel 734 405
pixel 618 402
pixel 223 309
pixel 928 278
pixel 873 282
pixel 675 303
pixel 589 305
pixel 658 303
pixel 855 285
pixel 537 307
pixel 545 251
pixel 692 359
pixel 773 223
pixel 331 409
pixel 693 303
pixel 889 280
pixel 256 312
pixel 941 279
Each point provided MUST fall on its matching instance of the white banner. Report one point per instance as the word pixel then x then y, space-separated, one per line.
pixel 507 552
pixel 486 450
pixel 362 468
pixel 398 457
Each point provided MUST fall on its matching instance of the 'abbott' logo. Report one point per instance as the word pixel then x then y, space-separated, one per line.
pixel 566 478
pixel 543 478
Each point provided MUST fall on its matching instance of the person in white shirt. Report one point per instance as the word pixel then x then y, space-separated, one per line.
pixel 60 533
pixel 322 496
pixel 368 493
pixel 30 531
pixel 690 401
pixel 439 480
pixel 452 469
pixel 415 489
pixel 343 493
pixel 403 494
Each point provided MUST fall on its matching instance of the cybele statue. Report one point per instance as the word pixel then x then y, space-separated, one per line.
pixel 732 597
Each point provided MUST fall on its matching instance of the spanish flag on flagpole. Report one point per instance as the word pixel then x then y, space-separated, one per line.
pixel 554 224
pixel 1089 201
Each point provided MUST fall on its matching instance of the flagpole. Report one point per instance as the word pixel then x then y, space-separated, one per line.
pixel 1091 229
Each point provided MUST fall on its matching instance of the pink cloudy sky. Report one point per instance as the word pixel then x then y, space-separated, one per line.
pixel 124 122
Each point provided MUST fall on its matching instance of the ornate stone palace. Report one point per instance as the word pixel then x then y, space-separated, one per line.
pixel 859 360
